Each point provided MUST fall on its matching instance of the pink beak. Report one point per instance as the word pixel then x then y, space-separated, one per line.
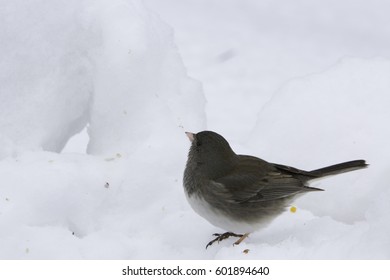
pixel 190 136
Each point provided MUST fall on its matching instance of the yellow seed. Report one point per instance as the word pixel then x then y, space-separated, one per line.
pixel 293 209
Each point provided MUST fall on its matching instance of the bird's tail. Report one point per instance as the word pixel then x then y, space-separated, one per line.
pixel 339 168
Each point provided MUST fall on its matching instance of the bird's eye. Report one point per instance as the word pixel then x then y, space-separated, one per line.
pixel 198 143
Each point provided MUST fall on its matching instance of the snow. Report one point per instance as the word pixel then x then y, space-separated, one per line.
pixel 43 74
pixel 95 98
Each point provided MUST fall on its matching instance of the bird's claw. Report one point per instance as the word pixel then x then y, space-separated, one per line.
pixel 223 236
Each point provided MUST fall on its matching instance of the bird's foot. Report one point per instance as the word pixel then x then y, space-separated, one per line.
pixel 223 236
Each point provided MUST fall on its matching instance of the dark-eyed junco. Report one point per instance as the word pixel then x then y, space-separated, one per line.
pixel 241 193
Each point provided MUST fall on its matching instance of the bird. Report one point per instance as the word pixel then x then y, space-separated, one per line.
pixel 242 193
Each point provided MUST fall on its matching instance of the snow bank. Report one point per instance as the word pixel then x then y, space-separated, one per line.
pixel 113 65
pixel 45 74
pixel 141 86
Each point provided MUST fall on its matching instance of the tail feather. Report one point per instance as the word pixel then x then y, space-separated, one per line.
pixel 339 168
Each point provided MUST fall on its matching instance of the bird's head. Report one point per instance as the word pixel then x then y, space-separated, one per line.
pixel 210 154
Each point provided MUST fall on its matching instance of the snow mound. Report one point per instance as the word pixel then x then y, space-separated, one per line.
pixel 110 68
pixel 113 65
pixel 141 86
pixel 45 75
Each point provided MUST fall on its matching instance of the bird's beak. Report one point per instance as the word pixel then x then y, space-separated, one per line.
pixel 190 136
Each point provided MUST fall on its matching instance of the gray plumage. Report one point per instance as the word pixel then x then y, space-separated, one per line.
pixel 244 193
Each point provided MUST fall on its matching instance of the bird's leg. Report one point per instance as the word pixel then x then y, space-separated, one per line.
pixel 223 236
pixel 243 236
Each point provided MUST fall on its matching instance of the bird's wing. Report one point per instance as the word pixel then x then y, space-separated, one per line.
pixel 251 187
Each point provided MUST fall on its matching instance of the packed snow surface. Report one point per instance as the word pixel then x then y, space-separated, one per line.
pixel 95 97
